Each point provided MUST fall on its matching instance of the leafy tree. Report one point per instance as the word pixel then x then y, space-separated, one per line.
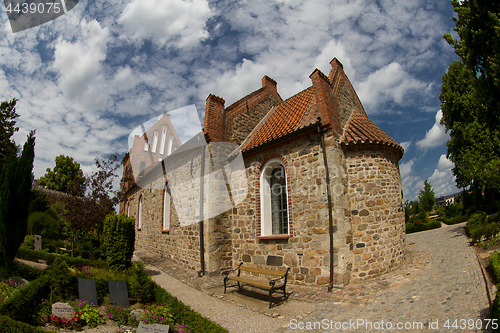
pixel 8 127
pixel 88 212
pixel 66 171
pixel 426 197
pixel 407 210
pixel 39 202
pixel 470 94
pixel 16 179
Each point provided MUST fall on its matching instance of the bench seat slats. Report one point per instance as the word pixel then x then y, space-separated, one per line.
pixel 260 284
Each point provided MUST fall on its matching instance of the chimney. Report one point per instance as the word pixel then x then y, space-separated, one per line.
pixel 335 62
pixel 214 118
pixel 267 81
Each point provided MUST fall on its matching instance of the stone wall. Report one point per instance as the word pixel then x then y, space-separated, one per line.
pixel 376 210
pixel 306 250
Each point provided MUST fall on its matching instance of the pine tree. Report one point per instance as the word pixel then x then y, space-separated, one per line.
pixel 16 179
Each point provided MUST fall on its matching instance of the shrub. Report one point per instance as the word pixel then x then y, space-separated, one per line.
pixel 119 239
pixel 101 288
pixel 24 305
pixel 44 224
pixel 157 314
pixel 32 255
pixel 495 266
pixel 121 315
pixel 89 313
pixel 141 286
pixel 63 282
pixel 9 325
pixel 421 222
pixel 477 219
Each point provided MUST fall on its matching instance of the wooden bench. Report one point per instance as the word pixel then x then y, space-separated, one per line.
pixel 271 285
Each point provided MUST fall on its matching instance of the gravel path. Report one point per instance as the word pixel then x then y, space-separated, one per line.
pixel 231 316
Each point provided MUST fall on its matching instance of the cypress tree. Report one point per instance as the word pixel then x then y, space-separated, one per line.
pixel 16 179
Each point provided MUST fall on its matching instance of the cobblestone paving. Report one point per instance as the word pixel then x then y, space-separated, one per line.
pixel 441 280
pixel 451 287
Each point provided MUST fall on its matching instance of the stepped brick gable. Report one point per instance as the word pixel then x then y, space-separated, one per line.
pixel 284 219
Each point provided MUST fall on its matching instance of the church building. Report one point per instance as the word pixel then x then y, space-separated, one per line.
pixel 321 190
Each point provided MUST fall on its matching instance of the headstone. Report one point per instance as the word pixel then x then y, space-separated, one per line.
pixel 63 310
pixel 152 328
pixel 86 290
pixel 18 281
pixel 38 243
pixel 118 292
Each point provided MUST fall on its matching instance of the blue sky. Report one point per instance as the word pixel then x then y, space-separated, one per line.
pixel 88 78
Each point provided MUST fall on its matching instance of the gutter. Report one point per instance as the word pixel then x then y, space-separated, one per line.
pixel 330 217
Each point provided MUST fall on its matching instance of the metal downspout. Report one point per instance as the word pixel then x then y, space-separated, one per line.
pixel 330 217
pixel 202 194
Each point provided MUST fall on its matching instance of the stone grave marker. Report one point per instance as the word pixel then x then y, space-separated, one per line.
pixel 118 293
pixel 152 328
pixel 63 310
pixel 86 290
pixel 38 243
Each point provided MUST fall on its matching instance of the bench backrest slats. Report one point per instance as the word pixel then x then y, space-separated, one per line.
pixel 261 271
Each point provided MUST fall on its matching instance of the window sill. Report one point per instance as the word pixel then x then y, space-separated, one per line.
pixel 139 229
pixel 165 231
pixel 273 237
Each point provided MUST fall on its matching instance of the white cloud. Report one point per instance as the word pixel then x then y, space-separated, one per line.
pixel 390 84
pixel 405 168
pixel 436 136
pixel 442 180
pixel 79 63
pixel 174 22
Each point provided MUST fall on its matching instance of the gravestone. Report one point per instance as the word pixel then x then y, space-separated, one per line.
pixel 38 243
pixel 118 292
pixel 152 328
pixel 86 290
pixel 63 310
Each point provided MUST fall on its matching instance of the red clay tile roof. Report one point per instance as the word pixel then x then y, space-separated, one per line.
pixel 360 129
pixel 288 117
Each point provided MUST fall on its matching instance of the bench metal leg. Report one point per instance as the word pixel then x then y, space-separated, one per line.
pixel 270 298
pixel 225 280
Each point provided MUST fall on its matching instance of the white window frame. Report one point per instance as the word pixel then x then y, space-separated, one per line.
pixel 155 142
pixel 139 214
pixel 166 209
pixel 265 197
pixel 163 140
pixel 170 142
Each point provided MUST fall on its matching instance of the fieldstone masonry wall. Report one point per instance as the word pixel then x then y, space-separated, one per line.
pixel 376 211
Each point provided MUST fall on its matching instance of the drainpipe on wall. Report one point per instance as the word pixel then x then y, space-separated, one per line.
pixel 202 194
pixel 330 217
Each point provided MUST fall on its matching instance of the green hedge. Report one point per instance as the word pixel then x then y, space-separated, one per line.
pixel 119 240
pixel 495 266
pixel 23 306
pixel 11 326
pixel 49 258
pixel 182 313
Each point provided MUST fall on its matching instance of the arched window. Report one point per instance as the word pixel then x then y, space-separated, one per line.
pixel 166 209
pixel 273 199
pixel 139 213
